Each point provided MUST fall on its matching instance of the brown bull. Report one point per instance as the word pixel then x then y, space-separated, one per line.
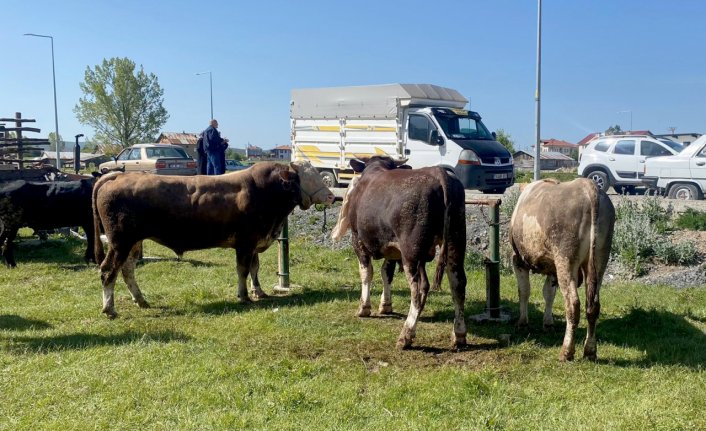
pixel 563 230
pixel 243 210
pixel 403 215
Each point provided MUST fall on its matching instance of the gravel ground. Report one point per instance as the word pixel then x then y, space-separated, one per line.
pixel 317 225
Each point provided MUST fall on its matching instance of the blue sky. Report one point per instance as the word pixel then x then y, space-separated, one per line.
pixel 599 57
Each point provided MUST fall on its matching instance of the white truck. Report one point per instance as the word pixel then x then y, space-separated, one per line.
pixel 426 124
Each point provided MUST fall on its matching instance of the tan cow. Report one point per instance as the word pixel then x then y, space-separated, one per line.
pixel 563 230
pixel 244 210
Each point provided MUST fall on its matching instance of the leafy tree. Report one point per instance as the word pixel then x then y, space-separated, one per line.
pixel 232 154
pixel 52 142
pixel 122 104
pixel 574 154
pixel 504 138
pixel 614 130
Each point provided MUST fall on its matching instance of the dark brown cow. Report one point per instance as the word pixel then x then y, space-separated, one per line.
pixel 243 210
pixel 563 230
pixel 403 214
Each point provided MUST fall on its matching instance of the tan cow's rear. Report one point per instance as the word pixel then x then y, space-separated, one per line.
pixel 563 230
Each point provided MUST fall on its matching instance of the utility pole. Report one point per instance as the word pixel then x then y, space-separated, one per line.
pixel 537 92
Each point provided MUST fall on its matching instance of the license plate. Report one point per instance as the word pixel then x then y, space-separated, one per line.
pixel 174 165
pixel 499 176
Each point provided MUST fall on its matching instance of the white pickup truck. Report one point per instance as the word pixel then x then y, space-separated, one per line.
pixel 682 176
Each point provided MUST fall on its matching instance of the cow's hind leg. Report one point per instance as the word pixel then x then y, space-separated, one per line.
pixel 243 263
pixel 365 267
pixel 8 252
pixel 457 283
pixel 523 290
pixel 593 309
pixel 128 271
pixel 419 288
pixel 568 283
pixel 254 270
pixel 387 272
pixel 110 266
pixel 549 292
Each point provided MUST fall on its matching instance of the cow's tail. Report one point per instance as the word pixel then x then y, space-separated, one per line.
pixel 444 249
pixel 97 243
pixel 591 271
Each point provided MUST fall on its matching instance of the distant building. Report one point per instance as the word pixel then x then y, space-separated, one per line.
pixel 548 160
pixel 253 152
pixel 283 152
pixel 183 139
pixel 557 146
pixel 683 138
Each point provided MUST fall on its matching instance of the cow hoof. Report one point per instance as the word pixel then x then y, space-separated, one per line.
pixel 363 312
pixel 260 294
pixel 385 309
pixel 244 300
pixel 522 325
pixel 460 341
pixel 404 343
pixel 142 303
pixel 110 314
pixel 548 328
pixel 565 356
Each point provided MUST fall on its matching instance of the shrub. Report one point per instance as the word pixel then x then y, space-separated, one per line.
pixel 692 219
pixel 683 253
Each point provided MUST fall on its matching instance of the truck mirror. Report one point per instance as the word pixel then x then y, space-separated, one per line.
pixel 495 136
pixel 435 138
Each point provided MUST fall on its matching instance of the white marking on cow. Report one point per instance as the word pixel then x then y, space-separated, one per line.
pixel 366 277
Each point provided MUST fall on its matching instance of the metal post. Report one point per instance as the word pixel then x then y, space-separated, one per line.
pixel 210 85
pixel 537 92
pixel 77 154
pixel 492 272
pixel 283 255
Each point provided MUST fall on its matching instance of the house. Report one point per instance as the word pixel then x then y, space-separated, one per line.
pixel 557 146
pixel 684 138
pixel 548 160
pixel 253 152
pixel 283 152
pixel 183 139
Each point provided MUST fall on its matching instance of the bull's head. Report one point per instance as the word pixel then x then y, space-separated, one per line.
pixel 311 186
pixel 385 162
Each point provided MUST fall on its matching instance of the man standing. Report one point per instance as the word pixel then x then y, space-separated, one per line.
pixel 215 147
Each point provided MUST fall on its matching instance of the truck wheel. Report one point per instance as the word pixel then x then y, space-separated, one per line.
pixel 686 192
pixel 600 179
pixel 624 190
pixel 495 191
pixel 328 178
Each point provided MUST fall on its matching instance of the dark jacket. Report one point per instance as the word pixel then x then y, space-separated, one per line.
pixel 212 141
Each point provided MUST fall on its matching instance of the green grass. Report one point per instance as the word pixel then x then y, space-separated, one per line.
pixel 692 219
pixel 199 360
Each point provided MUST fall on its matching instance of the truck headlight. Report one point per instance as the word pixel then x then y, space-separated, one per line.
pixel 468 157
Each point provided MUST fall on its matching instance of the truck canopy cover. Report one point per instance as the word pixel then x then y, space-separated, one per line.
pixel 370 101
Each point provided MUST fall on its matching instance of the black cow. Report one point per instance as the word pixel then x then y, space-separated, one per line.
pixel 404 214
pixel 42 206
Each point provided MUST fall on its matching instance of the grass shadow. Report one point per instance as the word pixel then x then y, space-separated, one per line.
pixel 81 341
pixel 67 251
pixel 12 322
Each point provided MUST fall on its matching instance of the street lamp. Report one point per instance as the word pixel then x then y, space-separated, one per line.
pixel 625 112
pixel 56 112
pixel 77 154
pixel 537 149
pixel 210 82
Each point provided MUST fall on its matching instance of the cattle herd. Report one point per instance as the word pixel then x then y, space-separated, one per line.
pixel 406 217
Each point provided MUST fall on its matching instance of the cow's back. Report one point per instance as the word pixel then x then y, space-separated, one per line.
pixel 553 220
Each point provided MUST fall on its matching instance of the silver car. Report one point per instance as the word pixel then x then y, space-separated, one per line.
pixel 162 159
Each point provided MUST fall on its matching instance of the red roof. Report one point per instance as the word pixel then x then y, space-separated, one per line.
pixel 178 138
pixel 283 148
pixel 588 137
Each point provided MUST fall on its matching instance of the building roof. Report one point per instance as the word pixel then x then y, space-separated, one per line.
pixel 547 155
pixel 283 148
pixel 557 143
pixel 182 138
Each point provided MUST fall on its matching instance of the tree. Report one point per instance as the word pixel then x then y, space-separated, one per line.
pixel 614 130
pixel 52 142
pixel 504 138
pixel 123 105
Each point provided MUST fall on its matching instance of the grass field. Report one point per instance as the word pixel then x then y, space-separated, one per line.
pixel 199 360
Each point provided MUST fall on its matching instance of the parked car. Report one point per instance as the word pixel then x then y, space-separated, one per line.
pixel 682 176
pixel 234 165
pixel 162 159
pixel 618 160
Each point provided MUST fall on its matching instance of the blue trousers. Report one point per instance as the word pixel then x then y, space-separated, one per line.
pixel 216 163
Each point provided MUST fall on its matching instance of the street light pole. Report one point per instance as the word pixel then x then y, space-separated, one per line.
pixel 210 83
pixel 56 111
pixel 537 148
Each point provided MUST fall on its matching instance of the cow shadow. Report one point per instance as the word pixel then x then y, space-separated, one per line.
pixel 82 341
pixel 195 263
pixel 305 298
pixel 67 252
pixel 13 322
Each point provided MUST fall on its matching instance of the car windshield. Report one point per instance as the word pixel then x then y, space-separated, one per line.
pixel 459 124
pixel 165 153
pixel 676 146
